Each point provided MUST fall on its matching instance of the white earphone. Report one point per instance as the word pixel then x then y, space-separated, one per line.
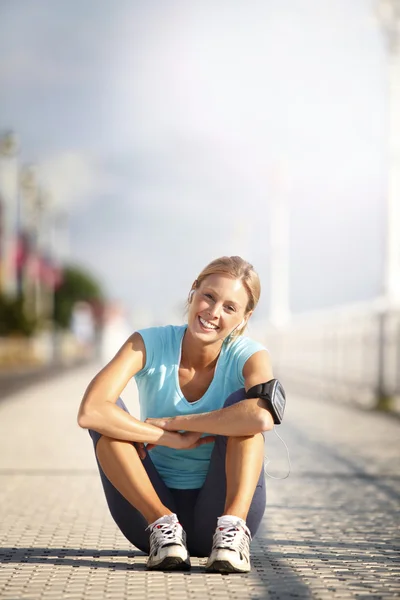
pixel 238 326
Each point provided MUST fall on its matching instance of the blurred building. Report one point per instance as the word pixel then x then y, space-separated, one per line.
pixel 30 267
pixel 115 331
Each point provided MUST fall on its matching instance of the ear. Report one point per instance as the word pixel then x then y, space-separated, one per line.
pixel 246 318
pixel 194 286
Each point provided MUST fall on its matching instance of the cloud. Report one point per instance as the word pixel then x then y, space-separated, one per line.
pixel 53 45
pixel 73 179
pixel 186 109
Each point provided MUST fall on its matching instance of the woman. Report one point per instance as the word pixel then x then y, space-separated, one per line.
pixel 188 477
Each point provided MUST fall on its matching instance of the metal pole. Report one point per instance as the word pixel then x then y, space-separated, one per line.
pixel 389 16
pixel 279 235
pixel 9 192
pixel 388 12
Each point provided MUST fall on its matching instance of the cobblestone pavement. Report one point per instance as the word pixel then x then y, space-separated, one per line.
pixel 330 529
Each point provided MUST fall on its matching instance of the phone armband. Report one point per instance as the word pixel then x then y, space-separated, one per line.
pixel 274 395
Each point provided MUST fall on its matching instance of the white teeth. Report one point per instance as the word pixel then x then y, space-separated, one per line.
pixel 207 324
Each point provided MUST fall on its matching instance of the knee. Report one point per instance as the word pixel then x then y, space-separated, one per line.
pixel 256 438
pixel 121 404
pixel 232 399
pixel 99 442
pixel 105 447
pixel 235 397
pixel 95 435
pixel 105 442
pixel 251 445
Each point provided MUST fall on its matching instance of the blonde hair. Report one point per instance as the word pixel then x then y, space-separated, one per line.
pixel 236 268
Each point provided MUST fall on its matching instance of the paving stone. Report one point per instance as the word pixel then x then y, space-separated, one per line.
pixel 331 530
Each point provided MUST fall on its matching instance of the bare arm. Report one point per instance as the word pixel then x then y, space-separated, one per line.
pixel 247 417
pixel 98 409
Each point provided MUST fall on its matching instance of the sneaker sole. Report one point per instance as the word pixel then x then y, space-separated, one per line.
pixel 171 563
pixel 224 566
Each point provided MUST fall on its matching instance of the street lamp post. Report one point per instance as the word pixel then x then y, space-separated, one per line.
pixel 388 13
pixel 35 208
pixel 40 208
pixel 389 16
pixel 279 244
pixel 46 227
pixel 9 201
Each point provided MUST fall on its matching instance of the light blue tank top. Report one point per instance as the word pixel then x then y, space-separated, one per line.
pixel 160 396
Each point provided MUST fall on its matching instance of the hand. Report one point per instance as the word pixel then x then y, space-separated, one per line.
pixel 183 441
pixel 192 439
pixel 142 449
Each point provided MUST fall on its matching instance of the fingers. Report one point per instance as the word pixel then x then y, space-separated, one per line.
pixel 208 439
pixel 162 423
pixel 140 450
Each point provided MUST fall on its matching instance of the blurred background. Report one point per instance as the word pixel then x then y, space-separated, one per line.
pixel 138 141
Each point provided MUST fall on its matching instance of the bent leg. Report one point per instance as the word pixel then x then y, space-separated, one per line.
pixel 235 485
pixel 243 466
pixel 135 492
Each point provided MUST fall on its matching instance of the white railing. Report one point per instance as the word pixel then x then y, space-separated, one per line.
pixel 349 354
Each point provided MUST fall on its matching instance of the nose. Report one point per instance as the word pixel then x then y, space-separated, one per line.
pixel 214 311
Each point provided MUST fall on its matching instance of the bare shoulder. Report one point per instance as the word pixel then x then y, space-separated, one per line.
pixel 257 369
pixel 108 384
pixel 131 357
pixel 135 343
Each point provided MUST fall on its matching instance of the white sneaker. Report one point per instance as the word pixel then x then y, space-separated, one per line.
pixel 168 545
pixel 231 547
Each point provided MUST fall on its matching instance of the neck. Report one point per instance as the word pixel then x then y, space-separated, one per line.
pixel 197 355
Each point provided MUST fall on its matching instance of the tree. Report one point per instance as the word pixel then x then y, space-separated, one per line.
pixel 13 319
pixel 77 285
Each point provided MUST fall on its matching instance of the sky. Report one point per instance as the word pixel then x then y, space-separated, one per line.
pixel 169 128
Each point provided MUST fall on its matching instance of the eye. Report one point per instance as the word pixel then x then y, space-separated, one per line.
pixel 230 308
pixel 209 296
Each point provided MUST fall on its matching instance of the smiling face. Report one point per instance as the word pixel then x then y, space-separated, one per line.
pixel 217 307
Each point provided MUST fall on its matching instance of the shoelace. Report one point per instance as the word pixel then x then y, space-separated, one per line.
pixel 231 534
pixel 166 532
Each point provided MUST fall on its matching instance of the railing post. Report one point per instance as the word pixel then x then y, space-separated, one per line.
pixel 383 399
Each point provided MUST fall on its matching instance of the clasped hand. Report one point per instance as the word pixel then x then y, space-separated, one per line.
pixel 186 440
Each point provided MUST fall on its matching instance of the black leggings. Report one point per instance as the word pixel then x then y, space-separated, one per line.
pixel 197 510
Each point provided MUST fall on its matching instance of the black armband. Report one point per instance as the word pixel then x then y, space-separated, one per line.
pixel 274 395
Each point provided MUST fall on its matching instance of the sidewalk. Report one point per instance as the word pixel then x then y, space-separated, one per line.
pixel 15 379
pixel 329 530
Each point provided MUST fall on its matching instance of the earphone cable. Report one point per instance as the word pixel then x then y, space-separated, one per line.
pixel 288 458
